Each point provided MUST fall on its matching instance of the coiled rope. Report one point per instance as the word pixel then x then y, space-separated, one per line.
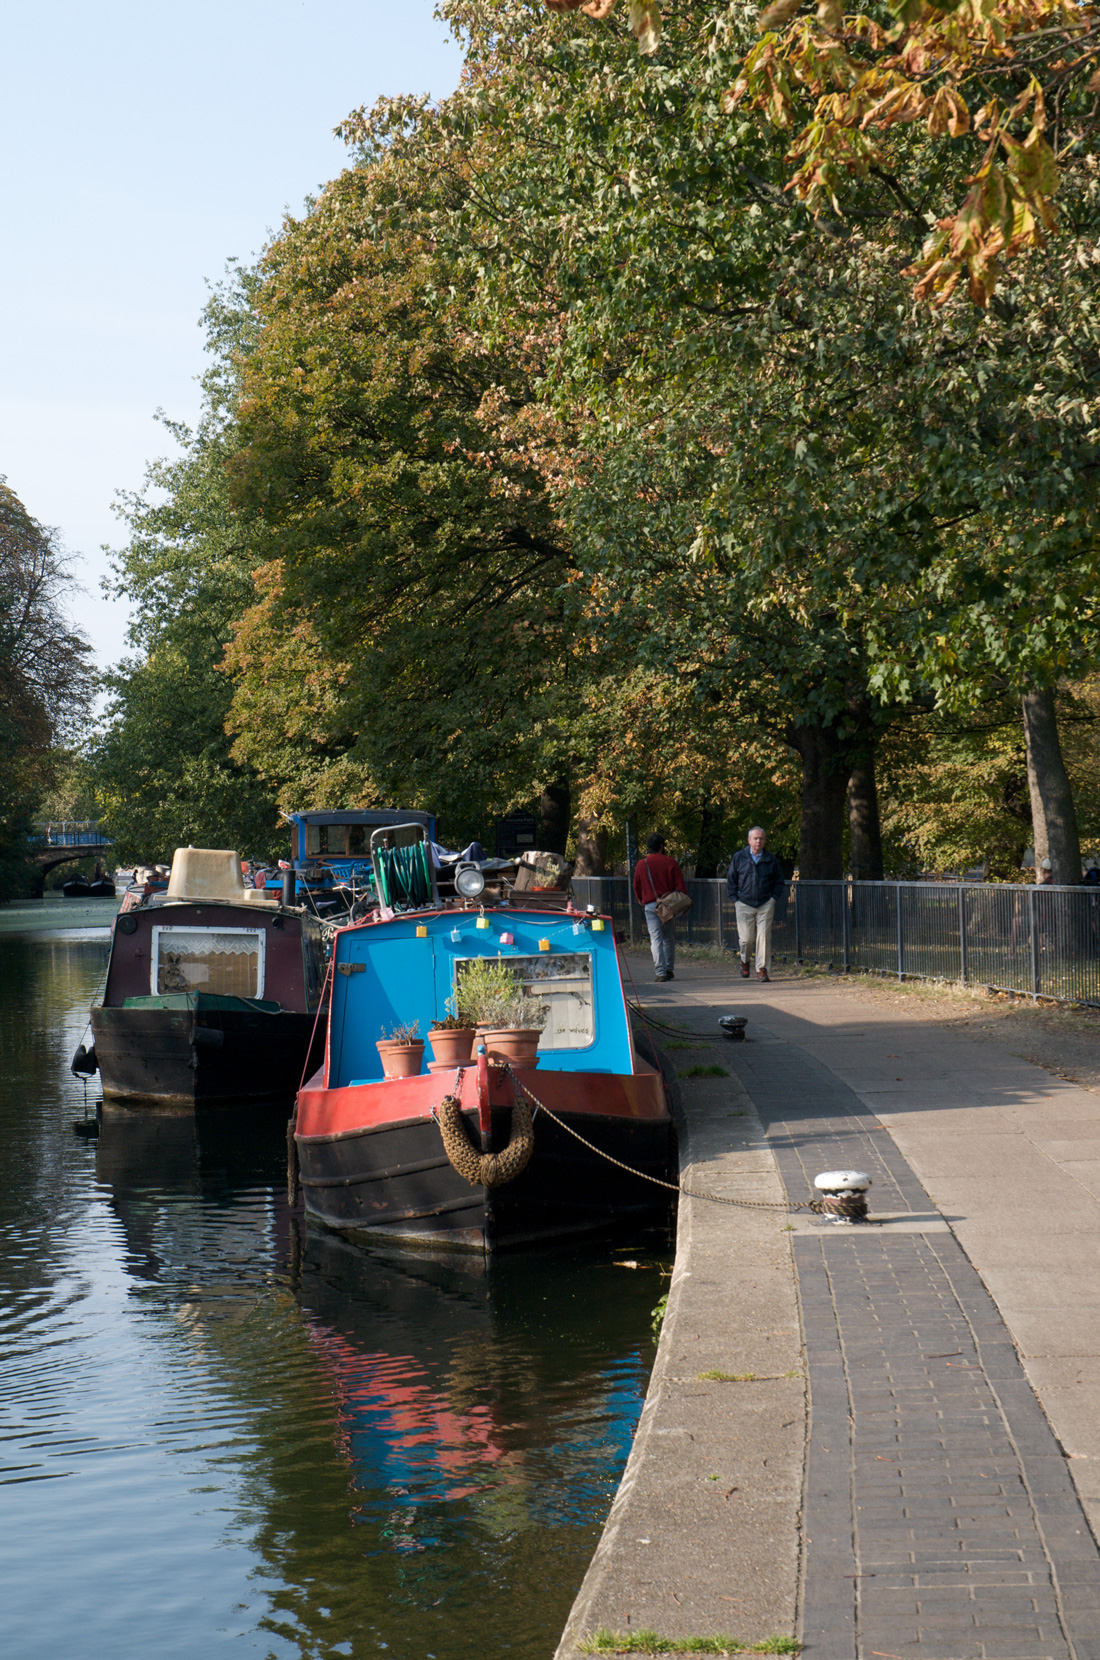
pixel 485 1169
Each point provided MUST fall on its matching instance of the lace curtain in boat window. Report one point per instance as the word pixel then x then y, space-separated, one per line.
pixel 228 962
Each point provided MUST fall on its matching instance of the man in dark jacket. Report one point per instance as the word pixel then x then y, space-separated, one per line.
pixel 755 882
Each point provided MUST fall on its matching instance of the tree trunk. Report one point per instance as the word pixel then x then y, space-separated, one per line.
pixel 1053 814
pixel 554 805
pixel 826 767
pixel 864 828
pixel 591 848
pixel 711 828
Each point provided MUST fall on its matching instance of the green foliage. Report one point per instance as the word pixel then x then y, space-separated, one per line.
pixel 490 993
pixel 44 678
pixel 163 771
pixel 162 761
pixel 411 566
pixel 649 1642
pixel 658 1315
pixel 814 501
pixel 556 441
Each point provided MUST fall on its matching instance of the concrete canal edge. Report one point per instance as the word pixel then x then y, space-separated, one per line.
pixel 703 1537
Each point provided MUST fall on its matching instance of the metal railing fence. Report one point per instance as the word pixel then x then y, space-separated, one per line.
pixel 1039 941
pixel 83 832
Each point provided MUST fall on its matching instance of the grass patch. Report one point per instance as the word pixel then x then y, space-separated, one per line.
pixel 724 954
pixel 648 1642
pixel 705 1072
pixel 677 1043
pixel 716 1375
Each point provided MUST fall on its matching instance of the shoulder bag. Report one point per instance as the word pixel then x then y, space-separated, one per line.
pixel 670 905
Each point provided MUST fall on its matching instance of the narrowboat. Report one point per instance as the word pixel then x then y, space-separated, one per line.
pixel 372 1151
pixel 211 992
pixel 330 857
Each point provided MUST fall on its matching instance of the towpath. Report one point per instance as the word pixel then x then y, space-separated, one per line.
pixel 885 1439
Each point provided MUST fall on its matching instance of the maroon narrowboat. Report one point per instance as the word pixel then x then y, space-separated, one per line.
pixel 211 993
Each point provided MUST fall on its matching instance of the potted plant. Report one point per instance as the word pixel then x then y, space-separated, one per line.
pixel 491 996
pixel 452 1040
pixel 401 1051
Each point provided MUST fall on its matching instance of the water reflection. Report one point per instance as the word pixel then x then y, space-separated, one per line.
pixel 224 1432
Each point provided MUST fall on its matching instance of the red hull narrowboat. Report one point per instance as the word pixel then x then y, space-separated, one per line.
pixel 584 1136
pixel 372 1158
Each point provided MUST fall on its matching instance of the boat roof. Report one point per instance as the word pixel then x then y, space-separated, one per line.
pixel 363 815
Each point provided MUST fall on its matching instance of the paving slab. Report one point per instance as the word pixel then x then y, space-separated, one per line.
pixel 932 1468
pixel 931 1503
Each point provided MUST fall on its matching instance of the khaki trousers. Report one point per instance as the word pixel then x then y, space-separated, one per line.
pixel 754 927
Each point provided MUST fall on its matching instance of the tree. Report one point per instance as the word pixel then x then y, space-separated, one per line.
pixel 1053 814
pixel 161 760
pixel 987 81
pixel 910 482
pixel 410 551
pixel 44 674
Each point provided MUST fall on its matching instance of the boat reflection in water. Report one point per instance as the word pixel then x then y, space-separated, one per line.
pixel 431 1445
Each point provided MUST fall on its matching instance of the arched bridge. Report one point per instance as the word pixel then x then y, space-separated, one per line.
pixel 58 841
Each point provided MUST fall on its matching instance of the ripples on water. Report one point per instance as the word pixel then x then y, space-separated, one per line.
pixel 219 1433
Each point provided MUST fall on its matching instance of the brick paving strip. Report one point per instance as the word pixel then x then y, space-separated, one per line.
pixel 940 1521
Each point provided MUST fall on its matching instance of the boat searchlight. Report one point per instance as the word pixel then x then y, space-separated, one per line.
pixel 469 882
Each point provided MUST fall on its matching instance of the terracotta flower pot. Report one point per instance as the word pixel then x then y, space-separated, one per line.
pixel 517 1044
pixel 400 1060
pixel 451 1045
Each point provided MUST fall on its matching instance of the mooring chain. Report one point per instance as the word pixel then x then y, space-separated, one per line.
pixel 816 1205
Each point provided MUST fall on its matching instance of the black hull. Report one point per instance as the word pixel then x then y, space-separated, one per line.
pixel 160 1056
pixel 395 1181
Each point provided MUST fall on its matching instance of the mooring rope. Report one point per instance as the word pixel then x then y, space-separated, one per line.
pixel 824 1206
pixel 676 1031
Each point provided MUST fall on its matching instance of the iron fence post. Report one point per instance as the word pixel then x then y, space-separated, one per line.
pixel 846 892
pixel 796 887
pixel 1034 941
pixel 901 940
pixel 720 932
pixel 964 963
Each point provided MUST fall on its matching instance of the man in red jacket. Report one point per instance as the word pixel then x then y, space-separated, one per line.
pixel 655 875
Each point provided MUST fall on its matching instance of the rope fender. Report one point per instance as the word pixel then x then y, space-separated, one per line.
pixel 486 1169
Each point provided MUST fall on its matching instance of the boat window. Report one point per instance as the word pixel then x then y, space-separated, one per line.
pixel 326 838
pixel 564 983
pixel 357 838
pixel 226 961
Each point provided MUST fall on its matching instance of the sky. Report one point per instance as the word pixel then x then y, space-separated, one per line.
pixel 144 146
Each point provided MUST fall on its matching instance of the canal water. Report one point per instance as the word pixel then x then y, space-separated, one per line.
pixel 224 1432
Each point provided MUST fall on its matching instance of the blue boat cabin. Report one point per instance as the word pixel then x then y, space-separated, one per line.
pixel 406 970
